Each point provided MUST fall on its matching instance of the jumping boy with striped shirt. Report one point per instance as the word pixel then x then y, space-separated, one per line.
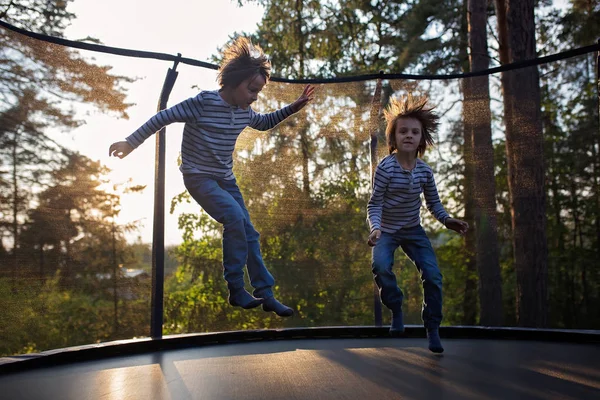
pixel 394 212
pixel 213 121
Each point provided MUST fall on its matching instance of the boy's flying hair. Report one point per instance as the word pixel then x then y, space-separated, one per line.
pixel 242 60
pixel 410 106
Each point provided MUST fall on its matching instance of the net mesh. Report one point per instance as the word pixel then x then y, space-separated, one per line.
pixel 75 259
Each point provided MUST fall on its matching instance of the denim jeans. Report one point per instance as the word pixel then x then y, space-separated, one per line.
pixel 223 201
pixel 416 245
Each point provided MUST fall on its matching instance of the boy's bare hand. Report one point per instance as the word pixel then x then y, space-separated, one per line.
pixel 305 97
pixel 120 149
pixel 373 237
pixel 457 225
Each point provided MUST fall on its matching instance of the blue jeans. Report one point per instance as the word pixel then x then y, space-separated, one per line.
pixel 223 201
pixel 416 245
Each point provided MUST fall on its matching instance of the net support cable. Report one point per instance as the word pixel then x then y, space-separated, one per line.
pixel 190 61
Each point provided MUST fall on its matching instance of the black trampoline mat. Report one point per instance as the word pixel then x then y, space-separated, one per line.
pixel 370 368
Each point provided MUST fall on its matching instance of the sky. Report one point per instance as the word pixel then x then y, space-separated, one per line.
pixel 196 29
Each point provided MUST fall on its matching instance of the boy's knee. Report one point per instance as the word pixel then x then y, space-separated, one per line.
pixel 380 267
pixel 234 217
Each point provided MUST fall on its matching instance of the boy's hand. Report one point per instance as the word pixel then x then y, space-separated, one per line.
pixel 457 225
pixel 373 237
pixel 305 97
pixel 120 149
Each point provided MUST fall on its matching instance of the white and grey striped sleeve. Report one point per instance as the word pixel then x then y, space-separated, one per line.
pixel 432 199
pixel 375 205
pixel 264 122
pixel 187 111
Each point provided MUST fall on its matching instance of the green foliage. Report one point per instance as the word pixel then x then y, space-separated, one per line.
pixel 336 38
pixel 45 316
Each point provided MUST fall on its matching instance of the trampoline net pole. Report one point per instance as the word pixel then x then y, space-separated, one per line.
pixel 158 242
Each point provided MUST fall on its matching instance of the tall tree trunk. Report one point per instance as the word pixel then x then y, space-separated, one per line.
pixel 524 143
pixel 115 273
pixel 572 299
pixel 596 156
pixel 558 242
pixel 470 297
pixel 304 143
pixel 505 78
pixel 67 273
pixel 15 209
pixel 486 225
pixel 42 272
pixel 304 140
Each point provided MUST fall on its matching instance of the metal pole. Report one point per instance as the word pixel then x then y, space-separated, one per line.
pixel 374 122
pixel 158 242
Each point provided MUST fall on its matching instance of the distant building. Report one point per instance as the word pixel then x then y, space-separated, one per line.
pixel 129 278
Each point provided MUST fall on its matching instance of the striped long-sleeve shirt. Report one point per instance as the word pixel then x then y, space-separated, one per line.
pixel 211 129
pixel 396 199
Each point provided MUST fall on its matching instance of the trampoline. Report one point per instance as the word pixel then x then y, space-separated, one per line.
pixel 318 363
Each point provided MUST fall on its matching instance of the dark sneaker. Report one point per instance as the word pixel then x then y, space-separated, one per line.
pixel 435 344
pixel 241 298
pixel 271 304
pixel 397 325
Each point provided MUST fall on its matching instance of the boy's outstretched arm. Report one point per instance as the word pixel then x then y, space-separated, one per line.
pixel 304 99
pixel 120 149
pixel 264 122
